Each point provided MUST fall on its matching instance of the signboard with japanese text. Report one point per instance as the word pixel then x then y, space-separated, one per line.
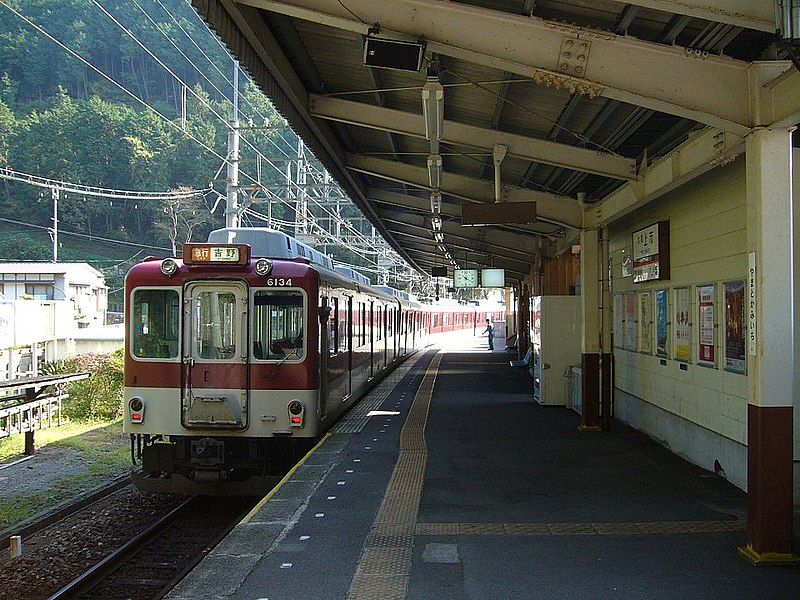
pixel 705 341
pixel 651 253
pixel 202 254
pixel 752 317
pixel 683 325
pixel 735 360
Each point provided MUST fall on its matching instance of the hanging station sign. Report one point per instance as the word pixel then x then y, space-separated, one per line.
pixel 651 253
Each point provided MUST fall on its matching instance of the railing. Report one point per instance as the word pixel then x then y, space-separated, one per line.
pixel 30 416
pixel 33 403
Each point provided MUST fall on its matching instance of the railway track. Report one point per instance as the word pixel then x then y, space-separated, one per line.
pixel 153 562
pixel 66 509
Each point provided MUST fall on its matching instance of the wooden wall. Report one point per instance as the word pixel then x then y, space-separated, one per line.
pixel 558 274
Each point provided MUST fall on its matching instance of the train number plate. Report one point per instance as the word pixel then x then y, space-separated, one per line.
pixel 279 281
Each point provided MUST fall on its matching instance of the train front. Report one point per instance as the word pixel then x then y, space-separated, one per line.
pixel 221 369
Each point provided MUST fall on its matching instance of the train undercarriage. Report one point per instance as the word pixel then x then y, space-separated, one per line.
pixel 213 465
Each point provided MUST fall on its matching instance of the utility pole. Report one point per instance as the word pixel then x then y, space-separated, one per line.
pixel 232 204
pixel 55 192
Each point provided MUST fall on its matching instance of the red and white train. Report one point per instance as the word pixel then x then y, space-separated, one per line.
pixel 243 353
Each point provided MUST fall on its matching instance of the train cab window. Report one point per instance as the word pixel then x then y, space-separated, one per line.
pixel 216 325
pixel 278 325
pixel 156 314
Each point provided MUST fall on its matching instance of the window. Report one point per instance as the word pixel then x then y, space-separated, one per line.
pixel 156 315
pixel 363 323
pixel 215 325
pixel 39 291
pixel 278 325
pixel 335 328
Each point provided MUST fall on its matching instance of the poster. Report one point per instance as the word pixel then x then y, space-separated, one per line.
pixel 646 323
pixel 734 327
pixel 630 321
pixel 619 322
pixel 683 325
pixel 705 311
pixel 662 326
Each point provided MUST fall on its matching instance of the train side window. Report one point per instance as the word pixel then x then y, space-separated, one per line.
pixel 278 325
pixel 363 323
pixel 156 314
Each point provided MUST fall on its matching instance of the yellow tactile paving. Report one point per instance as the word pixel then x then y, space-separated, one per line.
pixel 382 572
pixel 563 529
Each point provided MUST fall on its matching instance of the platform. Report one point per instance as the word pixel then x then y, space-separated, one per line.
pixel 474 491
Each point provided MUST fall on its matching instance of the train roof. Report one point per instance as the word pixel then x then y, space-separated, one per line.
pixel 269 243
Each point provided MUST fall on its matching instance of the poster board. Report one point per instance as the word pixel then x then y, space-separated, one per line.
pixel 706 347
pixel 618 333
pixel 662 323
pixel 683 325
pixel 646 322
pixel 735 353
pixel 630 322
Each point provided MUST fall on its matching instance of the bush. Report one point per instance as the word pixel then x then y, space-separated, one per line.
pixel 100 396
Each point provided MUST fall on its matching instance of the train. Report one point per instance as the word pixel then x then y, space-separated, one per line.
pixel 241 354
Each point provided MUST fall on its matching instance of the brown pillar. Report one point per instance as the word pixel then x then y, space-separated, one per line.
pixel 590 341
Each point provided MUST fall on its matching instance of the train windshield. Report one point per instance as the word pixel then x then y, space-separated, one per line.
pixel 155 324
pixel 278 325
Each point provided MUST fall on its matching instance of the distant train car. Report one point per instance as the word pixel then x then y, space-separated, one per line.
pixel 243 353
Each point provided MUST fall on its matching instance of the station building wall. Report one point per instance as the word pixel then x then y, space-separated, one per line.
pixel 700 412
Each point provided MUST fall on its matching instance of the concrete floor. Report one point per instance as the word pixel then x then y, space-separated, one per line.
pixel 516 503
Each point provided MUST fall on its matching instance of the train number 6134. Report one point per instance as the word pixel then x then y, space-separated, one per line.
pixel 280 281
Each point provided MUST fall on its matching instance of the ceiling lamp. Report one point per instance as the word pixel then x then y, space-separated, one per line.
pixel 435 170
pixel 436 221
pixel 436 203
pixel 438 236
pixel 433 108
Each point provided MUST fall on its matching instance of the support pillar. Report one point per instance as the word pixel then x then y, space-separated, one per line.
pixel 771 367
pixel 606 319
pixel 590 340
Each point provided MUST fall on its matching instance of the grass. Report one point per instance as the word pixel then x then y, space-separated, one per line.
pixel 102 445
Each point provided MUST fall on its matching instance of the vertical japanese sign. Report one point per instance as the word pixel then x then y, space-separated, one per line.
pixel 630 321
pixel 662 325
pixel 619 322
pixel 735 360
pixel 752 320
pixel 705 308
pixel 646 323
pixel 683 325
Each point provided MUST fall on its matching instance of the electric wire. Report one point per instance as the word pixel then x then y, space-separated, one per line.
pixel 85 235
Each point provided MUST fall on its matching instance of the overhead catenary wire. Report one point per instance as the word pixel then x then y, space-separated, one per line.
pixel 85 235
pixel 88 190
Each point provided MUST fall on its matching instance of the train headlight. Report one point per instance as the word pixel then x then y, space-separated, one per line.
pixel 263 267
pixel 297 414
pixel 136 406
pixel 169 267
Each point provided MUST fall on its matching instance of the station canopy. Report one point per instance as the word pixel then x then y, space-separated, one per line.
pixel 580 101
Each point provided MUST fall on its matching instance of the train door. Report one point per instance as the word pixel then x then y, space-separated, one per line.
pixel 215 357
pixel 349 347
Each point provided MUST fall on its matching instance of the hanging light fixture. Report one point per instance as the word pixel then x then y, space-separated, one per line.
pixel 433 108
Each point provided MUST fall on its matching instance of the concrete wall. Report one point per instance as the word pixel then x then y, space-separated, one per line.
pixel 700 412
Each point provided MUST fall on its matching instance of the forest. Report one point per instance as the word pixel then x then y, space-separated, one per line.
pixel 61 119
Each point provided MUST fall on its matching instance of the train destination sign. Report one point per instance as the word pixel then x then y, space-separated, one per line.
pixel 203 254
